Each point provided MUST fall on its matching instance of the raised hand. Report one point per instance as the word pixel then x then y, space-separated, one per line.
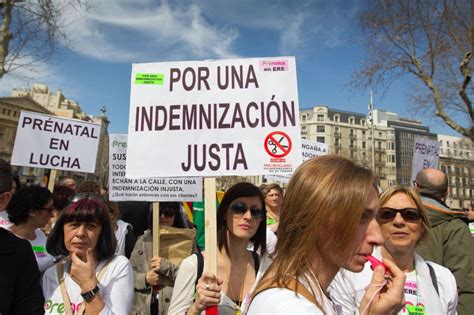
pixel 83 271
pixel 384 296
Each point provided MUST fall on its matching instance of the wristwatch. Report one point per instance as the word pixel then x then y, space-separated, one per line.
pixel 87 296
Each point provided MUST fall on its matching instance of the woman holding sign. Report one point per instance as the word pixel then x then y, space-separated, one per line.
pixel 30 210
pixel 91 279
pixel 327 223
pixel 154 276
pixel 240 220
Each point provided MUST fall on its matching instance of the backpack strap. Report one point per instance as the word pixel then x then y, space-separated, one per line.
pixel 62 286
pixel 256 262
pixel 291 285
pixel 200 261
pixel 433 277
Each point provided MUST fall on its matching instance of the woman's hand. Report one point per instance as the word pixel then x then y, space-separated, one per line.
pixel 83 272
pixel 152 277
pixel 386 300
pixel 207 292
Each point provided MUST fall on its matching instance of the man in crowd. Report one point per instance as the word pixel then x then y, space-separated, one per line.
pixel 68 181
pixel 20 290
pixel 5 192
pixel 450 243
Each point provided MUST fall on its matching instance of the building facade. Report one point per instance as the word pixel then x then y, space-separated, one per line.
pixel 10 108
pixel 457 162
pixel 348 134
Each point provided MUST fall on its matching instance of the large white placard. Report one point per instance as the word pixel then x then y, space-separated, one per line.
pixel 56 143
pixel 425 155
pixel 309 150
pixel 214 117
pixel 122 188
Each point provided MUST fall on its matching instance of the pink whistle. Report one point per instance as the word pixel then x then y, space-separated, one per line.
pixel 374 262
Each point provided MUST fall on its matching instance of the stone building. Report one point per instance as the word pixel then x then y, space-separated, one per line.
pixel 457 161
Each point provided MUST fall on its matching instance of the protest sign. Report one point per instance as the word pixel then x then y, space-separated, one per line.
pixel 56 143
pixel 122 188
pixel 425 155
pixel 309 150
pixel 214 117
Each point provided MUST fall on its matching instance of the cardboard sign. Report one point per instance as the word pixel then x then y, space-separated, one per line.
pixel 214 117
pixel 309 150
pixel 425 155
pixel 122 188
pixel 56 143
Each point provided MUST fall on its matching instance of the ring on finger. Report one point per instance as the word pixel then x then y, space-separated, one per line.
pixel 207 286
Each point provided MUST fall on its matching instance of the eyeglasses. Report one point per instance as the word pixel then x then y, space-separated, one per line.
pixel 386 214
pixel 241 209
pixel 90 196
pixel 47 209
pixel 167 212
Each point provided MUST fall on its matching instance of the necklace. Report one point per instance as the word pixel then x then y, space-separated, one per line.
pixel 241 295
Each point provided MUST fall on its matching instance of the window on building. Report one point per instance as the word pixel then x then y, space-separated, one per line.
pixel 363 145
pixel 379 145
pixel 320 128
pixel 336 118
pixel 362 122
pixel 351 133
pixel 380 134
pixel 352 154
pixel 352 145
pixel 320 117
pixel 351 120
pixel 320 139
pixel 303 118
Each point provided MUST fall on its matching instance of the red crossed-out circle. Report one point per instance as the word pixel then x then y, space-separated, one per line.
pixel 277 144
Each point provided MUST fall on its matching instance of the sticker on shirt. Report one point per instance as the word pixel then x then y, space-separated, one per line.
pixel 415 309
pixel 40 251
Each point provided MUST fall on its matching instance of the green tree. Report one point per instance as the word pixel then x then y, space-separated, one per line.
pixel 32 31
pixel 430 41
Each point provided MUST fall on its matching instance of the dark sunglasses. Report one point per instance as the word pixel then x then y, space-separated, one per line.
pixel 167 212
pixel 241 209
pixel 89 196
pixel 386 214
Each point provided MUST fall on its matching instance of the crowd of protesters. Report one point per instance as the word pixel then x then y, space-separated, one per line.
pixel 329 243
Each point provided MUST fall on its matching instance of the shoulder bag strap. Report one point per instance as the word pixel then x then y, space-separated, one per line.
pixel 433 277
pixel 256 262
pixel 62 286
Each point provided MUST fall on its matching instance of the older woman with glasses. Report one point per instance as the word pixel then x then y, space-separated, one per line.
pixel 429 287
pixel 30 210
pixel 91 278
pixel 240 220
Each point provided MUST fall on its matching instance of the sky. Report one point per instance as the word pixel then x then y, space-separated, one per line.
pixel 322 35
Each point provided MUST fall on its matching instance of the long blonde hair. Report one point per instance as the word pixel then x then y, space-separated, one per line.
pixel 321 210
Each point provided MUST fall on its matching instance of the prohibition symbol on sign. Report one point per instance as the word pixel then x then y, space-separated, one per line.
pixel 277 144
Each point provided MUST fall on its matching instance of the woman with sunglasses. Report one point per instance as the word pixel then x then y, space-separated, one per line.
pixel 150 272
pixel 327 223
pixel 30 210
pixel 91 278
pixel 240 220
pixel 429 287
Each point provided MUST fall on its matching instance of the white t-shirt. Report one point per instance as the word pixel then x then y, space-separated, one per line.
pixel 43 258
pixel 120 234
pixel 116 288
pixel 4 221
pixel 184 289
pixel 348 288
pixel 283 301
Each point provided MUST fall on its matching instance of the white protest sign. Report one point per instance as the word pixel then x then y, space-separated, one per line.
pixel 309 150
pixel 56 143
pixel 425 155
pixel 146 189
pixel 214 117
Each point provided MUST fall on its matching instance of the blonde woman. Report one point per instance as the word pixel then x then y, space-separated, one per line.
pixel 429 287
pixel 327 223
